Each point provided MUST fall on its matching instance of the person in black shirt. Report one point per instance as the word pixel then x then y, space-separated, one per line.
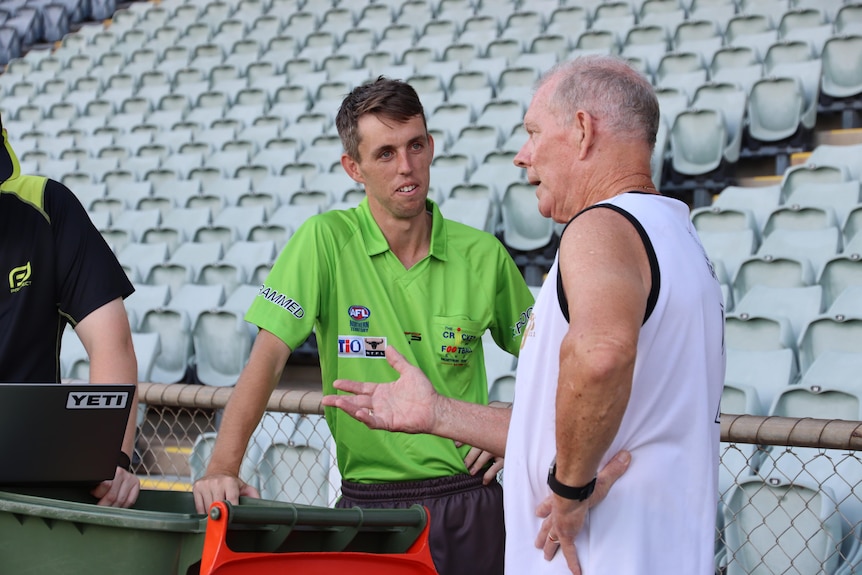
pixel 56 269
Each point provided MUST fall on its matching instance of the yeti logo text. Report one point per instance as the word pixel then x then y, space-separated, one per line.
pixel 96 400
pixel 19 277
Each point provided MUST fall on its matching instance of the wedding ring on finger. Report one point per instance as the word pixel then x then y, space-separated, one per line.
pixel 552 539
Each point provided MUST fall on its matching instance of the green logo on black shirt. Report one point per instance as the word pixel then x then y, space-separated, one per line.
pixel 19 277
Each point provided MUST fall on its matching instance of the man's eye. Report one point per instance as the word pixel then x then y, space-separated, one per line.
pixel 386 154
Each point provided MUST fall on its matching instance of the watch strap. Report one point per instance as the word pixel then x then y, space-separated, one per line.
pixel 567 491
pixel 124 461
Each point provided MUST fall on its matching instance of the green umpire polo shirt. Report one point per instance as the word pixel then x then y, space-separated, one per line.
pixel 338 276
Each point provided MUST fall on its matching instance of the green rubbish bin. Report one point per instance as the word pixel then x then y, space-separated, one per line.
pixel 62 531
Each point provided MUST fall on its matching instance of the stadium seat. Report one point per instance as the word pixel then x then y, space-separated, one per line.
pixel 144 298
pixel 809 172
pixel 730 248
pixel 818 245
pixel 147 348
pixel 828 333
pixel 754 28
pixel 730 99
pixel 782 271
pixel 838 274
pixel 842 198
pixel 671 101
pixel 775 108
pixel 801 217
pixel 848 156
pixel 477 212
pixel 297 470
pixel 831 367
pixel 766 372
pixel 841 71
pixel 174 325
pixel 739 399
pixel 764 519
pixel 698 140
pixel 613 16
pixel 798 305
pixel 714 218
pixel 202 452
pixel 184 264
pixel 222 343
pixel 74 361
pixel 523 227
pixel 807 25
pixel 758 333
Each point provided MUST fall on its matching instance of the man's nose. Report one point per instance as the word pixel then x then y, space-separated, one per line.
pixel 522 158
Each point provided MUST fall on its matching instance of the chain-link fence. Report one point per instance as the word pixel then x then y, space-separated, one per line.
pixel 789 488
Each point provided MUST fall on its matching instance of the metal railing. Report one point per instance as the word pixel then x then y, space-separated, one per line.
pixel 789 500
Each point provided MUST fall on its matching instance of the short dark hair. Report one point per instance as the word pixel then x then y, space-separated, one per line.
pixel 391 99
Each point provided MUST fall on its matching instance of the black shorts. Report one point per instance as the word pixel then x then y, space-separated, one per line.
pixel 467 533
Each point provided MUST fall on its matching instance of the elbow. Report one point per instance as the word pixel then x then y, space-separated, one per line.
pixel 600 363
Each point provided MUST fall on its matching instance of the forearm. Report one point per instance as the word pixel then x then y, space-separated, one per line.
pixel 592 395
pixel 247 403
pixel 132 424
pixel 481 426
pixel 118 364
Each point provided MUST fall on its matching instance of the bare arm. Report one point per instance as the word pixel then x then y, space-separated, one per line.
pixel 606 273
pixel 106 336
pixel 410 404
pixel 242 414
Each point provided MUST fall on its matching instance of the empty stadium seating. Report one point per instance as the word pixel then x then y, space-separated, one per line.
pixel 192 130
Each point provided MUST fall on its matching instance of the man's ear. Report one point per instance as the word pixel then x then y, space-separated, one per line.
pixel 351 166
pixel 585 130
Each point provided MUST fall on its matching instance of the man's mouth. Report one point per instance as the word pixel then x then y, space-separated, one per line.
pixel 407 189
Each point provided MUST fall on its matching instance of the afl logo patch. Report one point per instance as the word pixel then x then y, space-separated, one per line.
pixel 359 312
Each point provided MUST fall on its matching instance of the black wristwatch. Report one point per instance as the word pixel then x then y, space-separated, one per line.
pixel 567 491
pixel 124 461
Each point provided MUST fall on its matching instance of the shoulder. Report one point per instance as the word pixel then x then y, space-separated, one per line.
pixel 463 232
pixel 602 230
pixel 332 222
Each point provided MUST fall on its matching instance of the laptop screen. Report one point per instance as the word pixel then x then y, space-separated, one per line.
pixel 61 433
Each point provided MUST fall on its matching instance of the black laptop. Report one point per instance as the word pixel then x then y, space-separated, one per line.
pixel 61 434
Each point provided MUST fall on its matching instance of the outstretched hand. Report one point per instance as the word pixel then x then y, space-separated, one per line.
pixel 406 404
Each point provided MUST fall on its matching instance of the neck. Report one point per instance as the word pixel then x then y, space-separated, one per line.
pixel 409 239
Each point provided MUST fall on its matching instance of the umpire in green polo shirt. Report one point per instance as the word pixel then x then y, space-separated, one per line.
pixel 390 272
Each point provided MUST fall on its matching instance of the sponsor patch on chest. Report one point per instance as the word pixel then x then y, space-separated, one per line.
pixel 361 346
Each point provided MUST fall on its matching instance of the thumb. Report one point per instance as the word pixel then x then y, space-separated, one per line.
pixel 610 473
pixel 398 362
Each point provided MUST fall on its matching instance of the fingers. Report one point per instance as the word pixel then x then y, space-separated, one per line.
pixel 475 459
pixel 570 552
pixel 491 473
pixel 547 541
pixel 544 508
pixel 249 491
pixel 396 360
pixel 610 473
pixel 210 489
pixel 122 491
pixel 350 386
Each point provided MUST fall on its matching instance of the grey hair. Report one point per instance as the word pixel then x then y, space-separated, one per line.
pixel 610 90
